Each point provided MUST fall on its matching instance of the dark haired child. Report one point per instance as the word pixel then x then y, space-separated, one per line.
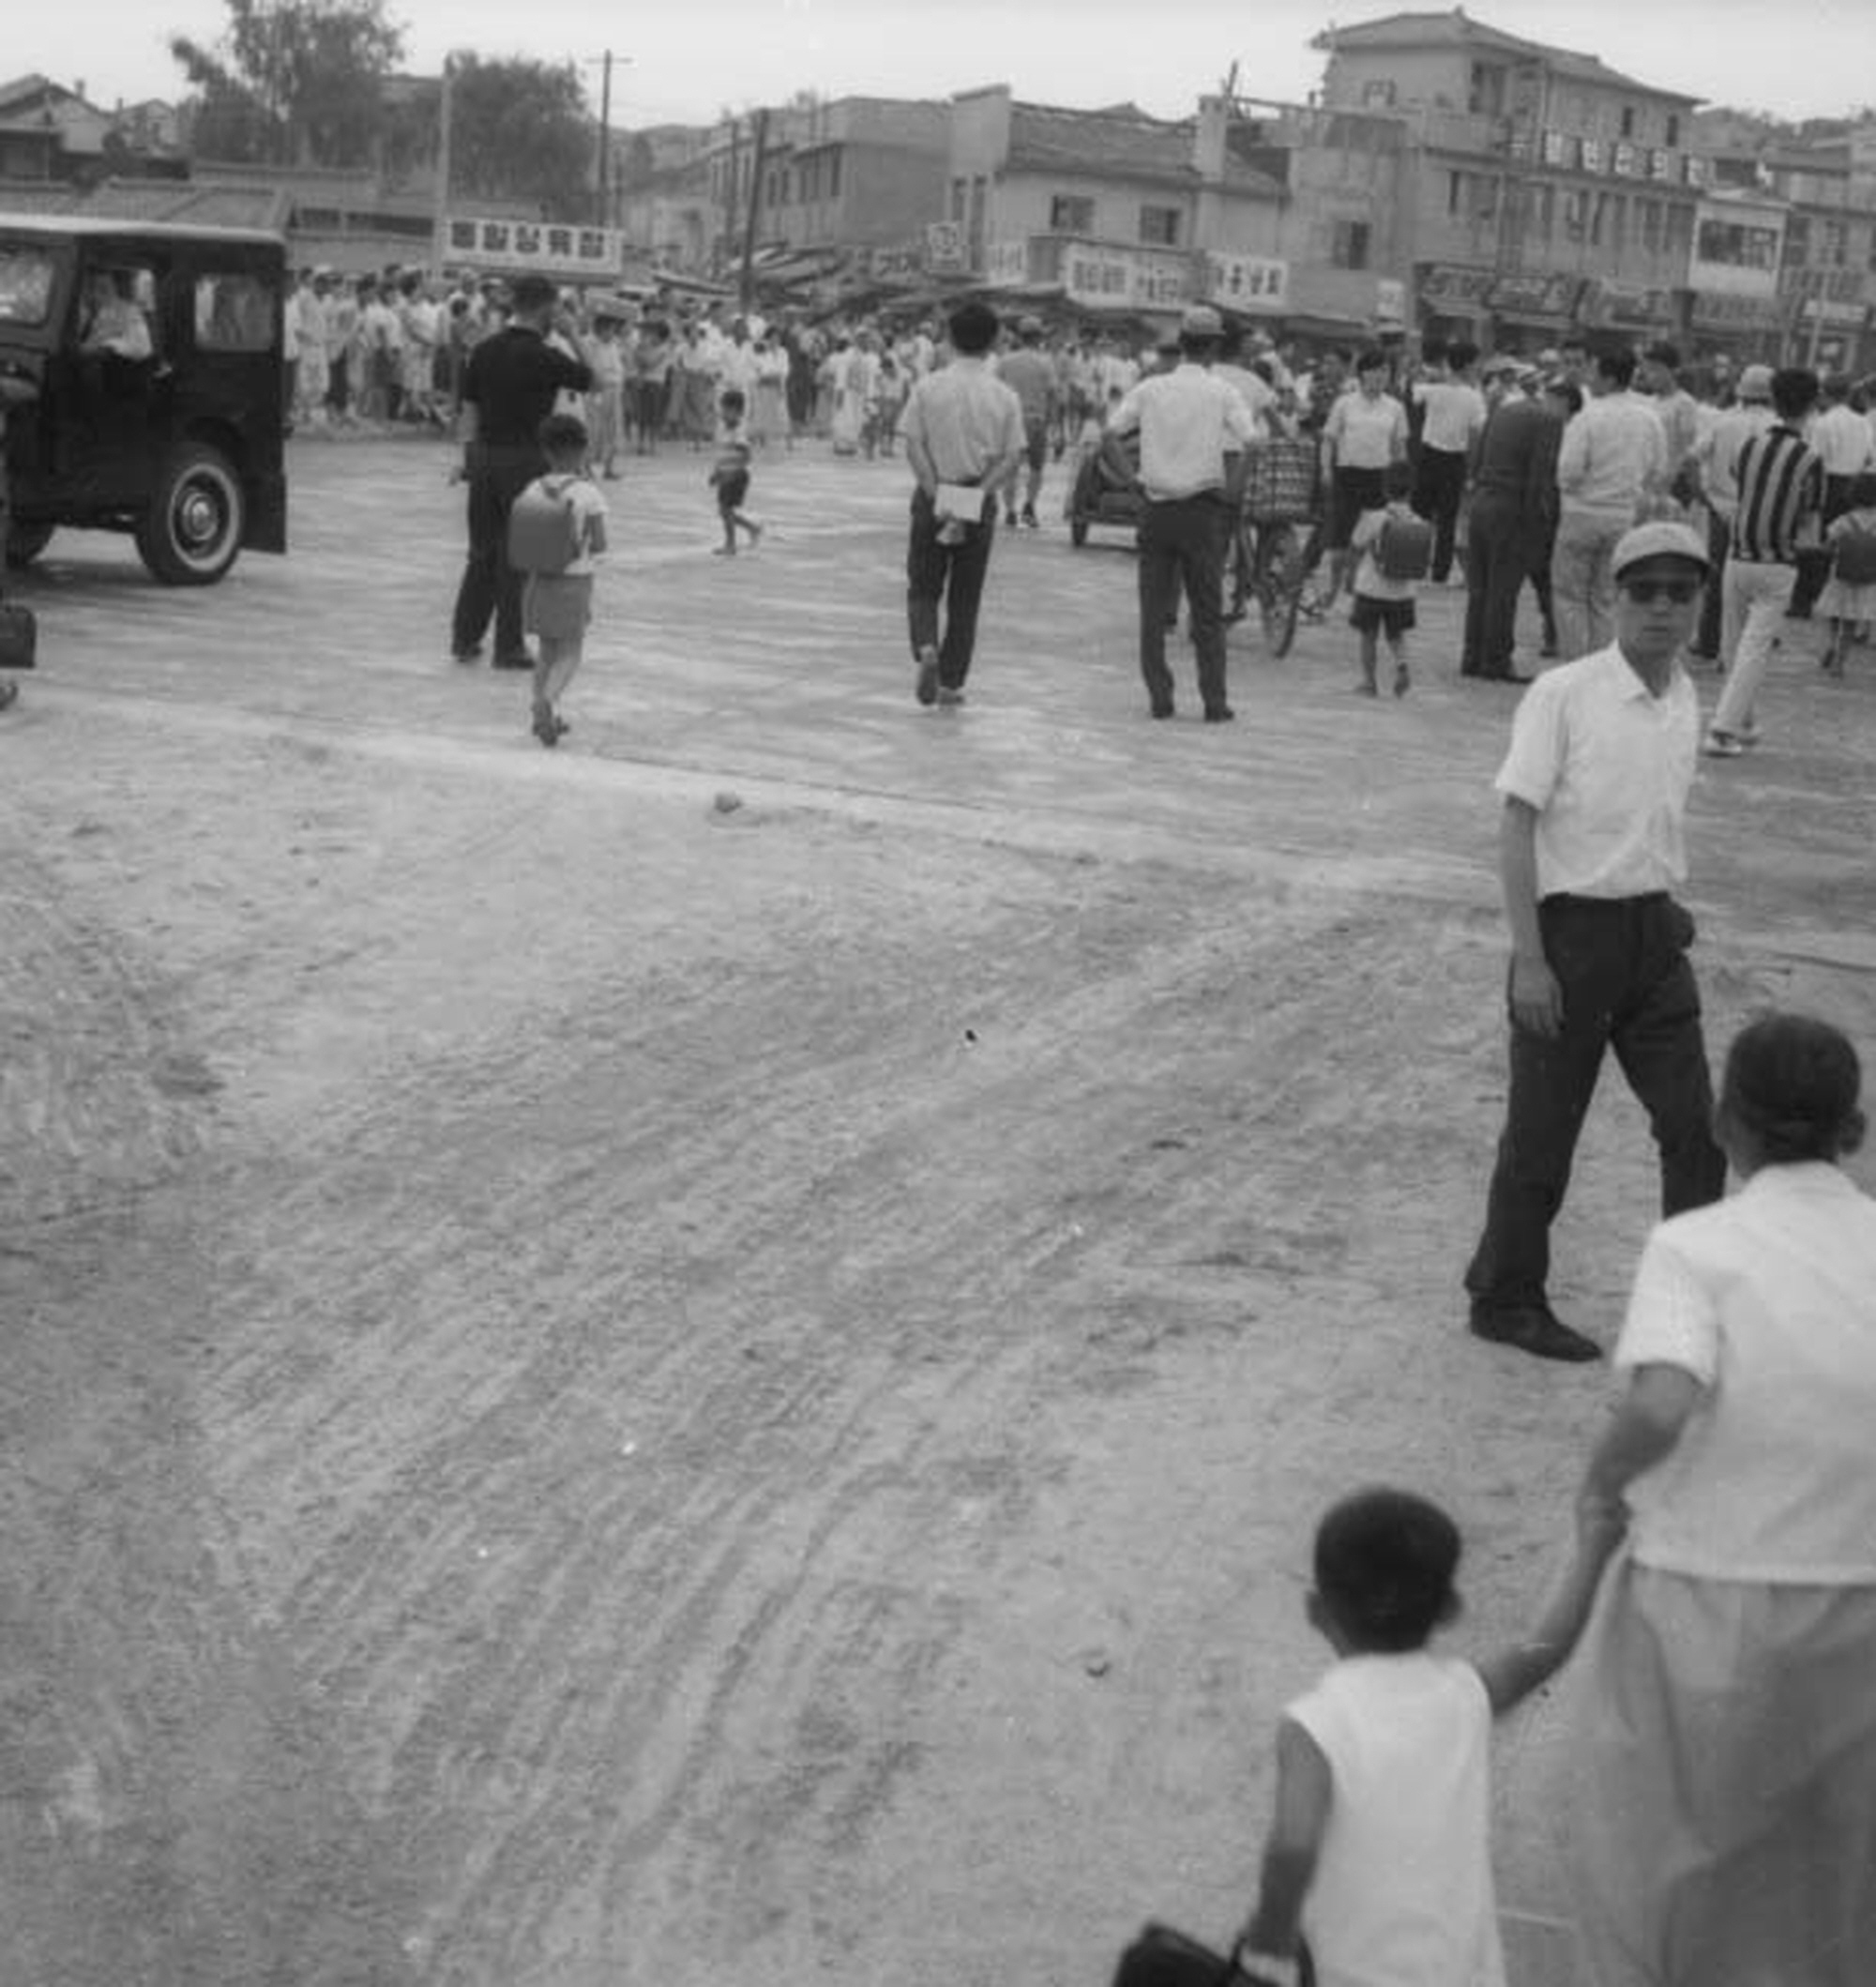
pixel 729 474
pixel 1378 1857
pixel 1382 605
pixel 557 606
pixel 1848 598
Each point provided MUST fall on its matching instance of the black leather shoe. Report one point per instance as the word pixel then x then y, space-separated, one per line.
pixel 1161 708
pixel 1535 1328
pixel 1221 714
pixel 520 660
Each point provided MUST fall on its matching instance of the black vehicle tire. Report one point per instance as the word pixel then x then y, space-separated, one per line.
pixel 24 543
pixel 193 531
pixel 1078 530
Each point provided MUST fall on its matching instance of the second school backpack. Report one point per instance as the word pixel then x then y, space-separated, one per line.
pixel 1404 549
pixel 543 534
pixel 1854 563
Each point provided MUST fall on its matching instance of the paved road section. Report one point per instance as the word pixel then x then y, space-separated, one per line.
pixel 712 1355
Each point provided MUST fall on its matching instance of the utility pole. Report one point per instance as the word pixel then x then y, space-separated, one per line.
pixel 747 288
pixel 605 137
pixel 440 246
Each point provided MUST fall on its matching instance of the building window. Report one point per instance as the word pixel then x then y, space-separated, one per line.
pixel 1071 214
pixel 1378 95
pixel 959 194
pixel 1488 90
pixel 1576 203
pixel 1627 120
pixel 1673 130
pixel 1834 250
pixel 1648 224
pixel 1797 239
pixel 1737 247
pixel 1159 226
pixel 1544 212
pixel 1456 192
pixel 1618 222
pixel 834 173
pixel 1348 247
pixel 1598 218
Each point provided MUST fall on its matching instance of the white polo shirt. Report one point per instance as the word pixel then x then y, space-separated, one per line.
pixel 1402 1890
pixel 1840 437
pixel 1608 766
pixel 1187 420
pixel 1769 1300
pixel 1367 433
pixel 1455 412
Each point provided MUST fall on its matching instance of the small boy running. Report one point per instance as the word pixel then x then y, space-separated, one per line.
pixel 1848 598
pixel 557 605
pixel 729 477
pixel 1379 1854
pixel 1383 600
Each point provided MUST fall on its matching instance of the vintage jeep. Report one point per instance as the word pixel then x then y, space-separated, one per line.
pixel 158 403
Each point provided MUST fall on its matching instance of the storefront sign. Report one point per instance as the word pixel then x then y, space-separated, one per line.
pixel 1247 283
pixel 1535 294
pixel 1719 312
pixel 1455 291
pixel 945 248
pixel 1390 303
pixel 1097 274
pixel 1614 305
pixel 538 247
pixel 902 267
pixel 1836 286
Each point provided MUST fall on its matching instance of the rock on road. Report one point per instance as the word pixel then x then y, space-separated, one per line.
pixel 609 1387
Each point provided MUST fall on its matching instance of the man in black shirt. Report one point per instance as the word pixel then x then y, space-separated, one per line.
pixel 508 391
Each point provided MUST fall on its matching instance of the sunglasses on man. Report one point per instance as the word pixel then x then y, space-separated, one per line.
pixel 1679 591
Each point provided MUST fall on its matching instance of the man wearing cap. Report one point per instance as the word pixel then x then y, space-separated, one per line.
pixel 1612 457
pixel 1591 844
pixel 1718 457
pixel 1188 421
pixel 508 388
pixel 1030 374
pixel 963 433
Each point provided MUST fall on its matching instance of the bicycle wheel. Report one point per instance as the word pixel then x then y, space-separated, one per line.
pixel 1282 587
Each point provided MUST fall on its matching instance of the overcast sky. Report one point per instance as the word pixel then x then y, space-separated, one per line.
pixel 690 58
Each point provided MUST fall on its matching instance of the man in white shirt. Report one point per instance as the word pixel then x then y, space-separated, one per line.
pixel 1454 415
pixel 1716 460
pixel 1590 845
pixel 1188 421
pixel 1614 455
pixel 1840 437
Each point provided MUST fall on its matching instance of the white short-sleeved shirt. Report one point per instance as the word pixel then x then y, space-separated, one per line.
pixel 1188 422
pixel 1455 412
pixel 1608 766
pixel 1768 1300
pixel 1368 434
pixel 1402 1894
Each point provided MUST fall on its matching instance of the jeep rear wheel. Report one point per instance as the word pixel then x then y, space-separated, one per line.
pixel 193 531
pixel 24 543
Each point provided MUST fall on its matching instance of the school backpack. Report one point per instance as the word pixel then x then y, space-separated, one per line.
pixel 543 536
pixel 1404 549
pixel 1854 564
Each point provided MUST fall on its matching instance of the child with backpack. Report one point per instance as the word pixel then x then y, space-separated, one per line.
pixel 556 531
pixel 730 475
pixel 1848 598
pixel 1393 550
pixel 1378 1862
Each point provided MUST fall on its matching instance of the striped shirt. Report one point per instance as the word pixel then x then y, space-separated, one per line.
pixel 1780 496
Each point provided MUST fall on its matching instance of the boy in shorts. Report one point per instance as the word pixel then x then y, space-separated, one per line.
pixel 557 606
pixel 1383 605
pixel 729 474
pixel 1379 1855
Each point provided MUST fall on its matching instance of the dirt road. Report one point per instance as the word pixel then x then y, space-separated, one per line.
pixel 711 1356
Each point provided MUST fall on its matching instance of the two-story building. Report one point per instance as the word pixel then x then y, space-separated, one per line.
pixel 1542 188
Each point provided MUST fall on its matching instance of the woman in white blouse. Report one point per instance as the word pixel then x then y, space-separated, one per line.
pixel 1723 1755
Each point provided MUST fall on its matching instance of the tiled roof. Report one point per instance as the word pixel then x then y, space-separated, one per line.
pixel 1114 145
pixel 1458 29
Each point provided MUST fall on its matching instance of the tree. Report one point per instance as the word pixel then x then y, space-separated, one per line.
pixel 292 82
pixel 520 131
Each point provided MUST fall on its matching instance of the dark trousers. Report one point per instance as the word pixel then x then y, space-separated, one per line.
pixel 1718 544
pixel 1628 985
pixel 1438 487
pixel 948 576
pixel 1182 543
pixel 1500 541
pixel 491 587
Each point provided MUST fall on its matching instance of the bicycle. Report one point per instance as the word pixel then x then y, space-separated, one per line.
pixel 1276 538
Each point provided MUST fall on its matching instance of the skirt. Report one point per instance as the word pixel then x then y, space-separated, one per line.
pixel 1721 1806
pixel 558 606
pixel 1843 602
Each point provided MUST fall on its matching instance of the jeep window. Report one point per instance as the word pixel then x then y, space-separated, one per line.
pixel 25 286
pixel 233 313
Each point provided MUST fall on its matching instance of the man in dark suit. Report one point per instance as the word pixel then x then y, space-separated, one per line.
pixel 1514 500
pixel 508 389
